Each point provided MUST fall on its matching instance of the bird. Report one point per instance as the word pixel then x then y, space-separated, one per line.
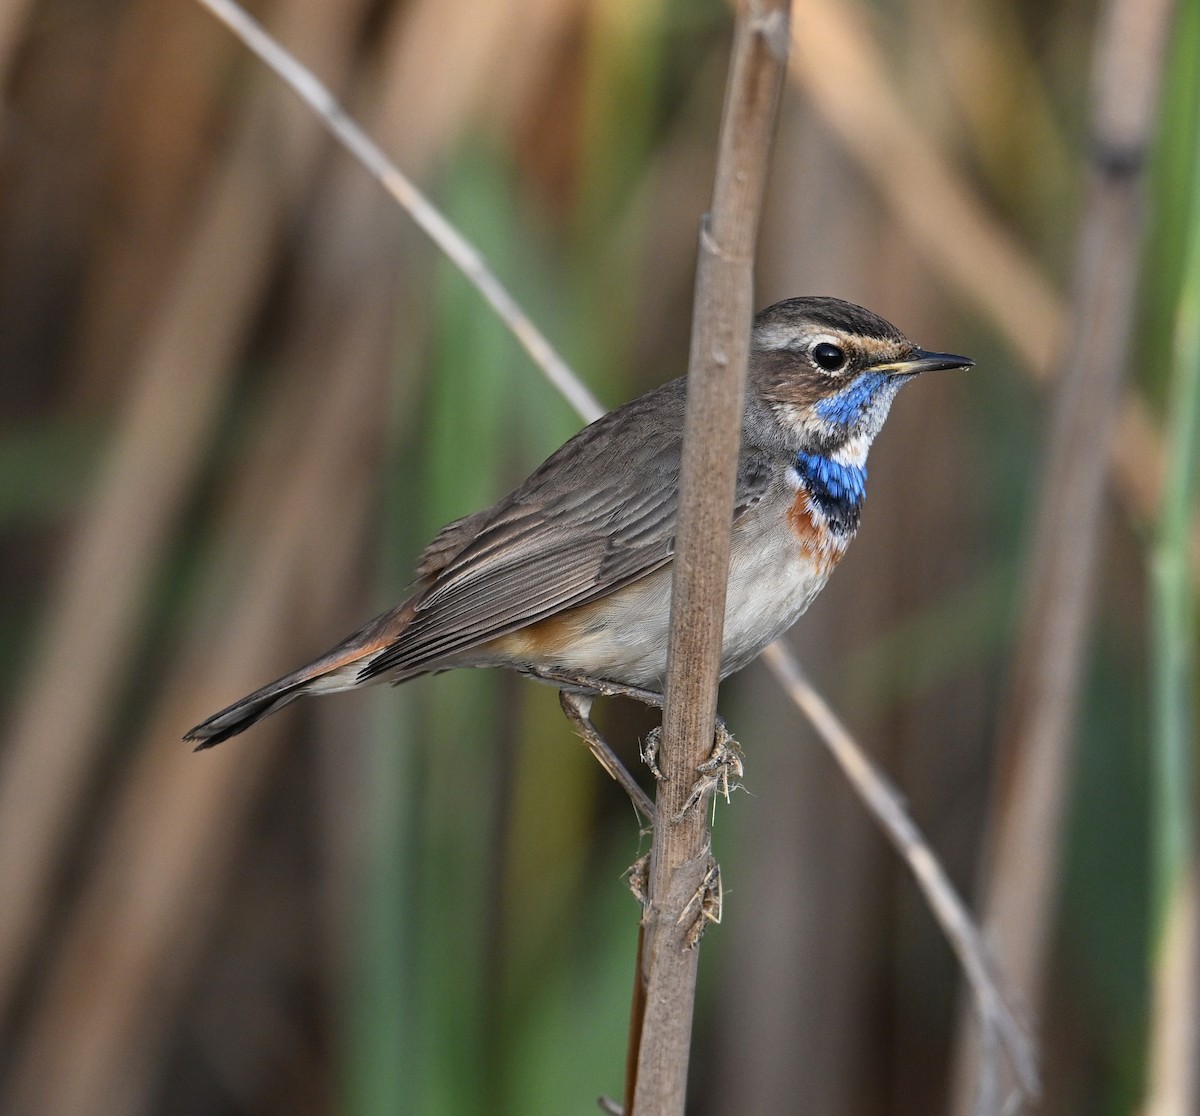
pixel 567 579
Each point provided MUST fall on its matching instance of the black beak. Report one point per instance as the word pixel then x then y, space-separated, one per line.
pixel 922 361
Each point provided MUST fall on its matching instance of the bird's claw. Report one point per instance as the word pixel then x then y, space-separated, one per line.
pixel 706 903
pixel 724 764
pixel 650 748
pixel 638 877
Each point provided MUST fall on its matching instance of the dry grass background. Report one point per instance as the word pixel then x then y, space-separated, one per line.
pixel 239 395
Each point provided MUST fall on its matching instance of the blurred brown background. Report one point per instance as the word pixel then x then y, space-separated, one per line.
pixel 239 394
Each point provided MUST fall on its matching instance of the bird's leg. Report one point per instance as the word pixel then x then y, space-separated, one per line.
pixel 724 761
pixel 569 680
pixel 578 708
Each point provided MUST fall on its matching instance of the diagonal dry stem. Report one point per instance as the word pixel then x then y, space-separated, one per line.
pixel 886 805
pixel 430 220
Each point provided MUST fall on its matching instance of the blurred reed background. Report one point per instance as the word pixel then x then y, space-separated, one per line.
pixel 240 393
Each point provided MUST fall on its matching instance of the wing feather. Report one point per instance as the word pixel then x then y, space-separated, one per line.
pixel 573 532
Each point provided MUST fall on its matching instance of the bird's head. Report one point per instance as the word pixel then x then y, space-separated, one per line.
pixel 828 371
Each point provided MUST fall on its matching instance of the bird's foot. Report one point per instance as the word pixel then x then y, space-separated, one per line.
pixel 704 906
pixel 718 772
pixel 639 878
pixel 649 750
pixel 578 708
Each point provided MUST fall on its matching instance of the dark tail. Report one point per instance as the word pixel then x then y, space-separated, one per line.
pixel 242 714
pixel 338 669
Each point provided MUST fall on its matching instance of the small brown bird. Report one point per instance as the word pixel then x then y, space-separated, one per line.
pixel 567 579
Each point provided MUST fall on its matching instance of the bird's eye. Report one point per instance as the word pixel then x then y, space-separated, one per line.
pixel 828 356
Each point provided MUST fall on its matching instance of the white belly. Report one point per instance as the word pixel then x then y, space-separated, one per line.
pixel 770 585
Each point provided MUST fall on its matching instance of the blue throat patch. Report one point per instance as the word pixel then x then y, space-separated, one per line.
pixel 838 490
pixel 847 407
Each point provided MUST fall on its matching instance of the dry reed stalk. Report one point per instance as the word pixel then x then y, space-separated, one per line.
pixel 155 173
pixel 681 863
pixel 173 836
pixel 1031 789
pixel 177 391
pixel 1174 1048
pixel 814 886
pixel 14 18
pixel 484 38
pixel 843 68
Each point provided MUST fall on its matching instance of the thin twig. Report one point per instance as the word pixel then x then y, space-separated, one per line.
pixel 453 244
pixel 886 805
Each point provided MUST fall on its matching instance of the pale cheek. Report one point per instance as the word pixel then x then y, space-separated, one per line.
pixel 801 424
pixel 790 417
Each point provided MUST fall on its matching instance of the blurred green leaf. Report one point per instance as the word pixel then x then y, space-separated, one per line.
pixel 46 467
